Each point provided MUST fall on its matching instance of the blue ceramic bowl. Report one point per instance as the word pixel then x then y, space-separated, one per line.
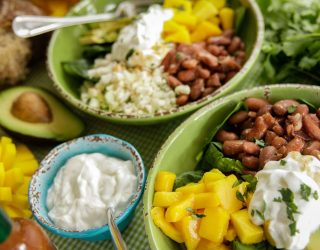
pixel 50 165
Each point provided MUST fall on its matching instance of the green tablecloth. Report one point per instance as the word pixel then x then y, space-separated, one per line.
pixel 147 140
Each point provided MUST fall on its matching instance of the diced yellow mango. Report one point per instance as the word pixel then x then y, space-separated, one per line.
pixel 227 18
pixel 212 176
pixel 157 214
pixel 166 199
pixel 267 234
pixel 26 213
pixel 23 153
pixel 219 4
pixel 20 201
pixel 231 233
pixel 204 9
pixel 24 188
pixel 209 245
pixel 247 232
pixel 249 198
pixel 5 140
pixel 13 212
pixel 28 167
pixel 171 26
pixel 186 19
pixel 226 193
pixel 179 5
pixel 190 227
pixel 204 30
pixel 205 200
pixel 8 155
pixel 215 20
pixel 2 174
pixel 214 225
pixel 13 178
pixel 178 225
pixel 194 188
pixel 164 181
pixel 179 210
pixel 182 36
pixel 5 194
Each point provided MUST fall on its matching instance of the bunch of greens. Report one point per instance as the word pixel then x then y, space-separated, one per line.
pixel 292 40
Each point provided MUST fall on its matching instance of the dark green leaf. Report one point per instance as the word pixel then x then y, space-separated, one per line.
pixel 77 68
pixel 292 109
pixel 293 228
pixel 219 145
pixel 260 143
pixel 194 213
pixel 283 162
pixel 188 177
pixel 236 183
pixel 315 195
pixel 260 214
pixel 178 56
pixel 240 196
pixel 252 182
pixel 277 199
pixel 305 191
pixel 129 54
pixel 92 52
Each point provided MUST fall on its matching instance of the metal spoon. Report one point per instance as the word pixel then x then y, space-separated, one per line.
pixel 114 230
pixel 29 26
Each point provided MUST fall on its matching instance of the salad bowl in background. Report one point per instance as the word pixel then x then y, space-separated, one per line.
pixel 65 46
pixel 178 154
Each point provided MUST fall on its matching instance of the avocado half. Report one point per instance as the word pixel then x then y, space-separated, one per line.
pixel 34 112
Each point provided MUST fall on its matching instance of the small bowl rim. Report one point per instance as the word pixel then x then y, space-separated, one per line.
pixel 167 114
pixel 90 233
pixel 147 203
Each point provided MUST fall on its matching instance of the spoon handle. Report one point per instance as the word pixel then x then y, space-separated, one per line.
pixel 115 233
pixel 29 26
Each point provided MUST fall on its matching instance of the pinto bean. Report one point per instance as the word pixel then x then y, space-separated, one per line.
pixel 296 121
pixel 269 119
pixel 268 153
pixel 229 64
pixel 228 33
pixel 302 109
pixel 258 131
pixel 282 151
pixel 281 107
pixel 173 81
pixel 182 99
pixel 278 129
pixel 252 114
pixel 167 59
pixel 207 91
pixel 278 142
pixel 251 148
pixel 270 135
pixel 208 59
pixel 250 162
pixel 187 75
pixel 311 127
pixel 214 49
pixel 219 40
pixel 296 144
pixel 234 45
pixel 311 148
pixel 233 147
pixel 238 117
pixel 224 135
pixel 173 68
pixel 203 73
pixel 301 134
pixel 249 123
pixel 240 57
pixel 265 109
pixel 196 89
pixel 190 63
pixel 214 81
pixel 255 103
pixel 230 75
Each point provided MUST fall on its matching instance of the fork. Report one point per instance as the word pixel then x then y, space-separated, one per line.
pixel 29 26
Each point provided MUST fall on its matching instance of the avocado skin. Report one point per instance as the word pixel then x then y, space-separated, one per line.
pixel 67 123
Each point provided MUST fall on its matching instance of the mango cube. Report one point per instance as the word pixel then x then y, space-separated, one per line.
pixel 13 178
pixel 213 176
pixel 205 200
pixel 164 181
pixel 2 174
pixel 5 140
pixel 166 199
pixel 227 18
pixel 204 9
pixel 20 201
pixel 24 188
pixel 231 234
pixel 214 225
pixel 226 192
pixel 209 245
pixel 8 155
pixel 12 212
pixel 186 19
pixel 247 232
pixel 204 30
pixel 182 36
pixel 193 188
pixel 179 210
pixel 219 4
pixel 23 153
pixel 170 27
pixel 5 194
pixel 190 227
pixel 28 167
pixel 179 5
pixel 157 214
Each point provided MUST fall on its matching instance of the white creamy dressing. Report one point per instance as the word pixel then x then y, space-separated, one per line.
pixel 86 186
pixel 291 172
pixel 142 34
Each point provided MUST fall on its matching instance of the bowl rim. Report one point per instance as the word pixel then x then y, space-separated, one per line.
pixel 174 112
pixel 147 204
pixel 129 210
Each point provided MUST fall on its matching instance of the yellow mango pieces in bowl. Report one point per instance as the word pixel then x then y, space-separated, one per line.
pixel 17 164
pixel 209 214
pixel 195 21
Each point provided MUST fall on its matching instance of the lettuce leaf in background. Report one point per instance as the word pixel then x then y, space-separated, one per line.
pixel 292 40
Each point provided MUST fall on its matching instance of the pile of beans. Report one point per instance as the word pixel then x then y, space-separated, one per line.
pixel 269 132
pixel 196 70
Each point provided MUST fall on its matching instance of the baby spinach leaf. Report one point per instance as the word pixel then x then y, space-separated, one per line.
pixel 188 177
pixel 77 68
pixel 92 52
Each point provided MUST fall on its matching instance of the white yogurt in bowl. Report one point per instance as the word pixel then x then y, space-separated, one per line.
pixel 86 186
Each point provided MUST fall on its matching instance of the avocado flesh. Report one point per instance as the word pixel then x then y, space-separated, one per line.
pixel 64 125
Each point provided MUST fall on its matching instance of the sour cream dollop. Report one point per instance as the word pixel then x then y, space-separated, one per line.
pixel 287 198
pixel 142 34
pixel 86 186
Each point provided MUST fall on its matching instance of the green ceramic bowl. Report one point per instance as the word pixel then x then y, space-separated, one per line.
pixel 178 154
pixel 65 46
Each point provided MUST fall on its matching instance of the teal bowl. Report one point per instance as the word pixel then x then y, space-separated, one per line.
pixel 43 178
pixel 178 154
pixel 65 46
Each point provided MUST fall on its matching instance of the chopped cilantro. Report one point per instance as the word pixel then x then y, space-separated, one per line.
pixel 178 56
pixel 315 195
pixel 305 191
pixel 260 214
pixel 129 54
pixel 291 109
pixel 277 199
pixel 252 212
pixel 236 183
pixel 260 143
pixel 252 182
pixel 240 196
pixel 283 162
pixel 293 228
pixel 194 213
